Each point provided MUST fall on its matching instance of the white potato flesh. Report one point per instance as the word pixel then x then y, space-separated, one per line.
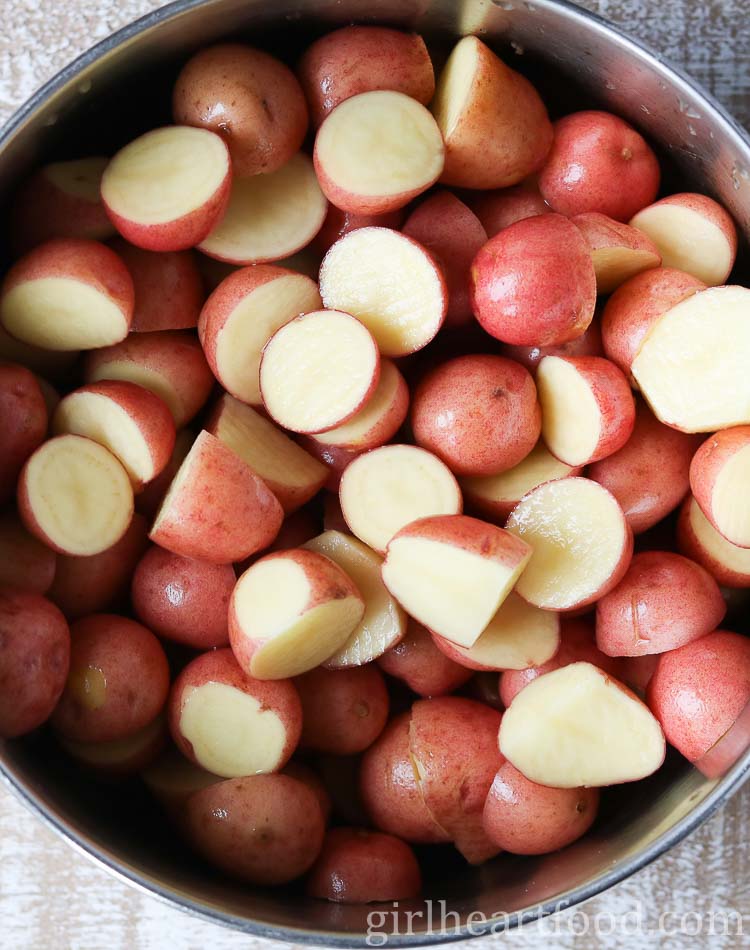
pixel 155 382
pixel 80 178
pixel 375 408
pixel 571 417
pixel 614 265
pixel 455 85
pixel 730 499
pixel 716 545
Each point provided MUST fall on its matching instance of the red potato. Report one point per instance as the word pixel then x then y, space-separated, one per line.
pixel 168 188
pixel 172 779
pixel 288 471
pixel 25 563
pixel 618 251
pixel 24 415
pixel 270 216
pixel 318 370
pixel 693 233
pixel 636 306
pixel 170 364
pixel 577 726
pixel 50 395
pixel 453 234
pixel 263 829
pixel 523 817
pixel 129 420
pixel 340 777
pixel 241 316
pixel 232 724
pixel 252 100
pixel 452 573
pixel 718 479
pixel 55 365
pixel 118 680
pixel 120 757
pixel 314 782
pixel 376 151
pixel 425 669
pixel 479 414
pixel 598 163
pixel 390 283
pixel 290 611
pixel 216 508
pixel 495 126
pixel 698 539
pixel 168 288
pixel 577 644
pixel 384 490
pixel 503 207
pixel 698 691
pixel 358 867
pixel 90 585
pixel 589 343
pixel 649 475
pixel 588 410
pixel 296 529
pixel 61 200
pixel 533 284
pixel 338 223
pixel 581 543
pixel 333 517
pixel 647 612
pixel 182 599
pixel 390 787
pixel 495 496
pixel 148 501
pixel 343 711
pixel 358 59
pixel 75 496
pixel 636 671
pixel 453 745
pixel 34 659
pixel 333 457
pixel 68 294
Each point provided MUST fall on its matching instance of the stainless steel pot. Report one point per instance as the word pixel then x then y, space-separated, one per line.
pixel 119 88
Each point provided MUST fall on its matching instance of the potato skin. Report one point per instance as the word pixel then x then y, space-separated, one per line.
pixel 421 665
pixel 249 98
pixel 25 562
pixel 24 415
pixel 34 660
pixel 263 829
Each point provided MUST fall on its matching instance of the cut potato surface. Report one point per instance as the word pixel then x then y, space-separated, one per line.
pixel 75 496
pixel 389 487
pixel 614 265
pixel 578 727
pixel 692 379
pixel 383 623
pixel 390 283
pixel 699 540
pixel 729 499
pixel 581 543
pixel 571 418
pixel 318 370
pixel 269 216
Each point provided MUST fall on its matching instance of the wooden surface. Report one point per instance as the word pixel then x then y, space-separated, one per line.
pixel 52 898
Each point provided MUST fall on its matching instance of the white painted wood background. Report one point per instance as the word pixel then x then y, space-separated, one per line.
pixel 51 898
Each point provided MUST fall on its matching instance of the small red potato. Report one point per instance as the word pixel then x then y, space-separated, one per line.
pixel 698 539
pixel 357 866
pixel 50 395
pixel 618 251
pixel 172 779
pixel 478 413
pixel 24 415
pixel 598 163
pixel 376 151
pixel 313 781
pixel 390 787
pixel 290 611
pixel 495 126
pixel 170 364
pixel 68 294
pixel 296 530
pixel 523 817
pixel 263 829
pixel 453 234
pixel 232 724
pixel 75 496
pixel 148 501
pixel 216 508
pixel 183 599
pixel 121 757
pixel 167 189
pixel 129 420
pixel 534 284
pixel 340 777
pixel 698 691
pixel 25 563
pixel 34 659
pixel 90 585
pixel 118 680
pixel 636 306
pixel 343 711
pixel 168 288
pixel 338 223
pixel 453 745
pixel 589 343
pixel 503 207
pixel 61 200
pixel 252 100
pixel 55 365
pixel 333 457
pixel 649 475
pixel 648 611
pixel 718 479
pixel 636 671
pixel 425 669
pixel 693 233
